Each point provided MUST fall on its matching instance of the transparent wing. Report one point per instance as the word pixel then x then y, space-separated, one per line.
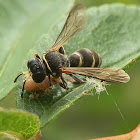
pixel 113 75
pixel 74 23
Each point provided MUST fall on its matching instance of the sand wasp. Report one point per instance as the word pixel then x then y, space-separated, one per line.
pixel 54 63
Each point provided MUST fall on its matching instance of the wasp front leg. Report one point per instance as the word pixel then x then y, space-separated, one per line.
pixel 24 81
pixel 20 75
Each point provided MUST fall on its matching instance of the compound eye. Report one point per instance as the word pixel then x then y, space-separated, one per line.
pixel 31 62
pixel 34 64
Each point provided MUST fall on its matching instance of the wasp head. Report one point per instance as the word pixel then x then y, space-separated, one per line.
pixel 37 69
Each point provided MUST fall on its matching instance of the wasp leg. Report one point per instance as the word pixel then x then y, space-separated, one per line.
pixel 23 88
pixel 27 77
pixel 63 84
pixel 20 75
pixel 77 80
pixel 23 81
pixel 50 82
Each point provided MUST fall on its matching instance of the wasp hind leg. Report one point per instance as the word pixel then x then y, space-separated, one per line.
pixel 77 80
pixel 63 84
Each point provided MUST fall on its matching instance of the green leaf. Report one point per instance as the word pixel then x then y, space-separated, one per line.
pixel 113 31
pixel 22 23
pixel 8 135
pixel 90 3
pixel 18 124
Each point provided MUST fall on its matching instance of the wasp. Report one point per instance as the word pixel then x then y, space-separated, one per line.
pixel 83 62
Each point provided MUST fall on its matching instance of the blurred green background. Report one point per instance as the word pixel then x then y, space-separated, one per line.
pixel 92 117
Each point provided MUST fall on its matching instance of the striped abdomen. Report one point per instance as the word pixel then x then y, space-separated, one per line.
pixel 85 58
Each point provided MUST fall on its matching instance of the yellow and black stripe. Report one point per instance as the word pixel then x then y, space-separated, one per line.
pixel 85 58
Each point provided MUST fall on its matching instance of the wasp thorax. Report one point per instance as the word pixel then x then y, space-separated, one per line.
pixel 53 61
pixel 37 70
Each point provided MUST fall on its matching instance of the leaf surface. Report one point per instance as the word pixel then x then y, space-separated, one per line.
pixel 15 123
